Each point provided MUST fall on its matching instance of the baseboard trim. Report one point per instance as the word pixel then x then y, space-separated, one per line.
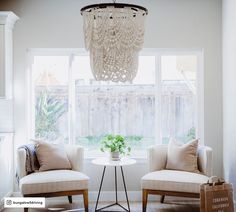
pixel 107 196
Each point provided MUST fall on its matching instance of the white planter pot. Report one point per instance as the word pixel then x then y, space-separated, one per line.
pixel 115 156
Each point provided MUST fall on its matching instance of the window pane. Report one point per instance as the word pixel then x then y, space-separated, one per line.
pixel 98 108
pixel 178 97
pixel 115 108
pixel 50 80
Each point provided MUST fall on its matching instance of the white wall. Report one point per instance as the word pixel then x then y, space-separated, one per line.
pixel 229 89
pixel 6 165
pixel 6 115
pixel 170 24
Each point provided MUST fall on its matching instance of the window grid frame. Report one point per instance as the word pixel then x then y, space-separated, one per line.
pixel 158 53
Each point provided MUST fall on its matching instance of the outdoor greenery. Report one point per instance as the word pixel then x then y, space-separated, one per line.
pixel 191 134
pixel 115 143
pixel 185 139
pixel 94 141
pixel 48 110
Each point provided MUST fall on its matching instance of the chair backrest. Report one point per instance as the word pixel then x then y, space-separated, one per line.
pixel 75 155
pixel 157 158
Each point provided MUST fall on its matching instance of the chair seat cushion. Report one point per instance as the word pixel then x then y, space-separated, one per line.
pixel 53 181
pixel 171 180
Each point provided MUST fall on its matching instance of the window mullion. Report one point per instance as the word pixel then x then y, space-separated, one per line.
pixel 158 90
pixel 200 98
pixel 71 97
pixel 31 94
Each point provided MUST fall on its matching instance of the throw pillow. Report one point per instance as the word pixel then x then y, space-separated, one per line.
pixel 182 156
pixel 51 156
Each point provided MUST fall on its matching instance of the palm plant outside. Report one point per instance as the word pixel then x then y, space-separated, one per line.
pixel 48 110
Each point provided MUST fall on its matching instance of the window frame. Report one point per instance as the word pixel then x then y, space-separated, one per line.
pixel 157 52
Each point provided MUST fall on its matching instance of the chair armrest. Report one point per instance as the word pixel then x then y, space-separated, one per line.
pixel 75 155
pixel 205 160
pixel 21 160
pixel 157 156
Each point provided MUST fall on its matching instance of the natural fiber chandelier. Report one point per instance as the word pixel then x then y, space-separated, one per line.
pixel 114 35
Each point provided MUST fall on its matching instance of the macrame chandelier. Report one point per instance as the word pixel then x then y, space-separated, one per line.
pixel 114 35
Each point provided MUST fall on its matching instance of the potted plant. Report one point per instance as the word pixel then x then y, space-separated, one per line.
pixel 116 145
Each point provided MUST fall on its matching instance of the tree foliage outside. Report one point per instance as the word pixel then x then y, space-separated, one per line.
pixel 191 134
pixel 48 110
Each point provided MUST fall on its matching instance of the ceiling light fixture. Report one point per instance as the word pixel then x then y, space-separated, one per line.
pixel 114 35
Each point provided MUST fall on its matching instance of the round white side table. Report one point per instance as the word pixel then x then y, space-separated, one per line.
pixel 107 162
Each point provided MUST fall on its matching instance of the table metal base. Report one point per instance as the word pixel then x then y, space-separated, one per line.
pixel 116 202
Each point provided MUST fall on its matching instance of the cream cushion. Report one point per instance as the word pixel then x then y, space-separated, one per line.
pixel 53 181
pixel 51 156
pixel 171 180
pixel 182 156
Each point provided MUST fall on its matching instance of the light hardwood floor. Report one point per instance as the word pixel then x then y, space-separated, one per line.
pixel 190 205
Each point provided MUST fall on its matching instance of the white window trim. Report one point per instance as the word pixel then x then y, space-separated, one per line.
pixel 157 52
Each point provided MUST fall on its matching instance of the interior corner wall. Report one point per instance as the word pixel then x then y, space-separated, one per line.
pixel 170 24
pixel 229 90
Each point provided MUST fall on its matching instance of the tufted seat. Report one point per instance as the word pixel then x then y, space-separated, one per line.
pixel 53 181
pixel 163 182
pixel 171 180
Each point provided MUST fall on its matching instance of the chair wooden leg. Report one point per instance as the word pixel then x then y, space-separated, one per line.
pixel 145 199
pixel 70 199
pixel 162 198
pixel 25 209
pixel 85 196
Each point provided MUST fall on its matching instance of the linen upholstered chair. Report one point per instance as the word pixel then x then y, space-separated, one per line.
pixel 160 181
pixel 55 183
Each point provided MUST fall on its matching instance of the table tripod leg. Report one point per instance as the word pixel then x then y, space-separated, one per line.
pixel 100 187
pixel 125 187
pixel 116 185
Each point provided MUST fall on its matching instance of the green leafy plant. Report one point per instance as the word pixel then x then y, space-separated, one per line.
pixel 115 143
pixel 48 110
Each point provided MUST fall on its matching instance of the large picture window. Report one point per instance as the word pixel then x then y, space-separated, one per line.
pixel 69 105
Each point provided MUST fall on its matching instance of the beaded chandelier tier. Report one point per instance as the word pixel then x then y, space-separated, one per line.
pixel 114 35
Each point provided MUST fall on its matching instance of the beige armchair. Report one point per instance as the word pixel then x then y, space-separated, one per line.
pixel 172 182
pixel 55 182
